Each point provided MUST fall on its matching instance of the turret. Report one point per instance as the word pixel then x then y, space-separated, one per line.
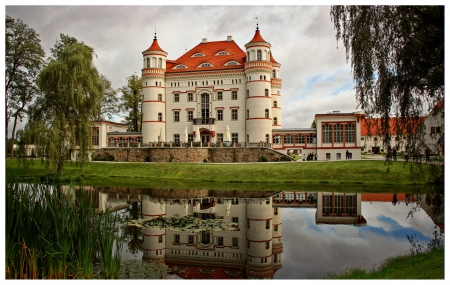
pixel 153 104
pixel 275 82
pixel 258 70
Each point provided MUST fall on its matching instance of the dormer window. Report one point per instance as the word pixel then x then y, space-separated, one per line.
pixel 232 63
pixel 222 53
pixel 198 54
pixel 180 66
pixel 205 64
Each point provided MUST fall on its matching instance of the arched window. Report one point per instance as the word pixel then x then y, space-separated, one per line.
pixel 248 93
pixel 275 103
pixel 266 112
pixel 259 55
pixel 248 56
pixel 248 113
pixel 274 74
pixel 160 63
pixel 160 118
pixel 148 62
pixel 266 92
pixel 275 121
pixel 267 140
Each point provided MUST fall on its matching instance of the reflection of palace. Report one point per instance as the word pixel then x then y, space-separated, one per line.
pixel 253 250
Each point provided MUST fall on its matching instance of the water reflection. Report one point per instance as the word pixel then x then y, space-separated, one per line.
pixel 278 234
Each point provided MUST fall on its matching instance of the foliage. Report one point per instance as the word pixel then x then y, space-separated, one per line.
pixel 52 232
pixel 397 58
pixel 131 103
pixel 72 91
pixel 23 59
pixel 109 106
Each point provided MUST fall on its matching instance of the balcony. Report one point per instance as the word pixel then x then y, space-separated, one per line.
pixel 203 121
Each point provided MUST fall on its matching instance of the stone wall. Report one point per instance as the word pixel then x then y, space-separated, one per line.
pixel 175 154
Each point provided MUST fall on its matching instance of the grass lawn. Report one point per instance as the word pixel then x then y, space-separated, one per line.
pixel 344 173
pixel 428 265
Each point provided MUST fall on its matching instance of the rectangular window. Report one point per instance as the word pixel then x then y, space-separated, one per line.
pixel 338 156
pixel 339 204
pixel 219 115
pixel 350 133
pixel 233 95
pixel 328 156
pixel 326 133
pixel 234 138
pixel 326 205
pixel 235 242
pixel 275 211
pixel 190 117
pixel 160 239
pixel 219 241
pixel 234 114
pixel 190 137
pixel 219 95
pixel 95 136
pixel 176 97
pixel 267 245
pixel 350 204
pixel 338 133
pixel 176 138
pixel 267 224
pixel 206 237
pixel 275 228
pixel 190 97
pixel 176 116
pixel 235 220
pixel 177 239
pixel 190 239
pixel 219 137
pixel 299 139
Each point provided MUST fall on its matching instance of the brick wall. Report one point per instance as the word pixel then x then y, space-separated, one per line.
pixel 217 155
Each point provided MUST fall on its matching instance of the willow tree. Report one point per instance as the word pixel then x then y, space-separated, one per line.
pixel 131 103
pixel 72 92
pixel 397 59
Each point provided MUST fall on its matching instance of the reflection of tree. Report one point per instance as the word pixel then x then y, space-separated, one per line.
pixel 132 235
pixel 432 204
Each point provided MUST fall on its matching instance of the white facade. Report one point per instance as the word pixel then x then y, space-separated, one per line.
pixel 213 85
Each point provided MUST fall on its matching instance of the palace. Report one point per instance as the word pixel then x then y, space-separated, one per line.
pixel 218 95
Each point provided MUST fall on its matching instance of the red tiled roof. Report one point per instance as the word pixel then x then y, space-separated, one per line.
pixel 209 50
pixel 257 37
pixel 155 46
pixel 375 125
pixel 272 59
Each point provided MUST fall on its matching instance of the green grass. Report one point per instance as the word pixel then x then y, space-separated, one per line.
pixel 429 265
pixel 358 172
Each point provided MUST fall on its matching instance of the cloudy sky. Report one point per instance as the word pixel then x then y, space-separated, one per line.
pixel 316 77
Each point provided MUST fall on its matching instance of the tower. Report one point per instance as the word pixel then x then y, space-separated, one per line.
pixel 260 263
pixel 275 81
pixel 154 245
pixel 258 70
pixel 153 104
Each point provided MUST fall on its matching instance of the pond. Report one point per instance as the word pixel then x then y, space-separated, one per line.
pixel 264 234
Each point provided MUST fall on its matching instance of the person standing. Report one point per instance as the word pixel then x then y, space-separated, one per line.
pixel 346 154
pixel 394 154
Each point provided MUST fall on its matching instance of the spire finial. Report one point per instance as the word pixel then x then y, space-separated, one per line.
pixel 256 22
pixel 155 33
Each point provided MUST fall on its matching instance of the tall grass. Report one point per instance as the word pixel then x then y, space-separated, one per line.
pixel 54 233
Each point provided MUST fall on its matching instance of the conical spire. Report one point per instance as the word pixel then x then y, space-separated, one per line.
pixel 155 46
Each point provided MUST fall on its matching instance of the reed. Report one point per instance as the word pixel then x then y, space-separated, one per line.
pixel 54 232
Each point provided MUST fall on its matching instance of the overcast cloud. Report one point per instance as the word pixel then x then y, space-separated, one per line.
pixel 316 77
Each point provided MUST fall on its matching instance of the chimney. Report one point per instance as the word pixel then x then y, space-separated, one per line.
pixel 204 40
pixel 229 38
